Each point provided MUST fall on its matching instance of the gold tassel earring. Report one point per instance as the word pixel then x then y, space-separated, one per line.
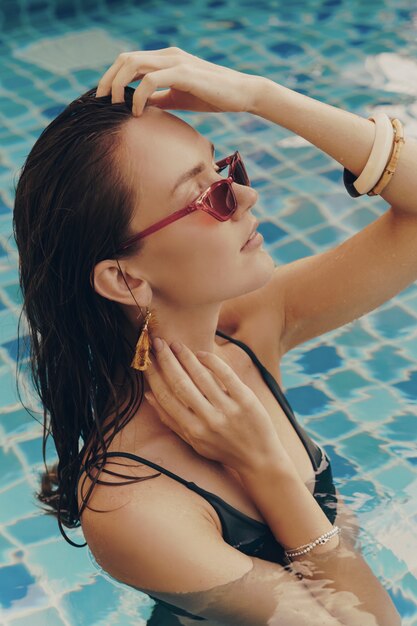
pixel 141 358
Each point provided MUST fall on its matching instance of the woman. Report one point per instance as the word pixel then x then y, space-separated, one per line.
pixel 127 231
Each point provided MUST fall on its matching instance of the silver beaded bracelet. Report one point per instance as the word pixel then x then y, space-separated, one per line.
pixel 309 546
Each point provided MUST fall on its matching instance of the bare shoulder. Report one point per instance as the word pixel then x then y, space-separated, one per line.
pixel 134 531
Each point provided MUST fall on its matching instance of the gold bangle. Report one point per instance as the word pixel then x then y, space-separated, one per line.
pixel 392 164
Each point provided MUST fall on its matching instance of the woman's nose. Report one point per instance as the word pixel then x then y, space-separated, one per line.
pixel 246 198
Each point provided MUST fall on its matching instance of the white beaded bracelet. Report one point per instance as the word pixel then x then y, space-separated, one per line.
pixel 309 546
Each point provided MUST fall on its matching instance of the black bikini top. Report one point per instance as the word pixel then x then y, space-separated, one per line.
pixel 244 533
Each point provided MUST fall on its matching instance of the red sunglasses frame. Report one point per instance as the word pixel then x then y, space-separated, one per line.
pixel 198 203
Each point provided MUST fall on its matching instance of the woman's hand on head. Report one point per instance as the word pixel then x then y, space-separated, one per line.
pixel 188 82
pixel 206 404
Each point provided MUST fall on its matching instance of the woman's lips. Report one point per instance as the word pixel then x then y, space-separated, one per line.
pixel 255 241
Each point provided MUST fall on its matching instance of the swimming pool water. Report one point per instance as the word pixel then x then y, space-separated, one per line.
pixel 353 389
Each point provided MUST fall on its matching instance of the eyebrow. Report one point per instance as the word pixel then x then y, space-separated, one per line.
pixel 197 169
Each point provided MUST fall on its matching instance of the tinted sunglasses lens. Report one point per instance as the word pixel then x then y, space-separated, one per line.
pixel 222 200
pixel 239 173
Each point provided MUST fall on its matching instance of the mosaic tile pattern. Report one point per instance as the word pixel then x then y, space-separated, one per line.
pixel 354 389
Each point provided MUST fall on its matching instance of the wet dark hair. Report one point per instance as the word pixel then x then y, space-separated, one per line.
pixel 73 205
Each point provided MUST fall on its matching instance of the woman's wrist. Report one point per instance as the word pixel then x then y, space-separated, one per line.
pixel 258 89
pixel 276 459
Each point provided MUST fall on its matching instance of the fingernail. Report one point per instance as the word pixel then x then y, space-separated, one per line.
pixel 176 347
pixel 158 344
pixel 148 396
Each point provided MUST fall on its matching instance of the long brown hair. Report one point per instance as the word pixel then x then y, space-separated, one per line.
pixel 73 205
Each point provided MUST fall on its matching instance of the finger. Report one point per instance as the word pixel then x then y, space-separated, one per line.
pixel 161 78
pixel 180 385
pixel 124 58
pixel 104 84
pixel 236 389
pixel 166 417
pixel 169 399
pixel 203 378
pixel 162 99
pixel 136 67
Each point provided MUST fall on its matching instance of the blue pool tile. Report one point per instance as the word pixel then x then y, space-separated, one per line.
pixel 254 125
pixel 47 617
pixel 341 466
pixel 12 109
pixel 48 559
pixel 345 384
pixel 405 606
pixel 286 253
pixel 32 450
pixel 309 184
pixel 333 175
pixel 405 450
pixel 13 293
pixel 315 160
pixel 385 564
pixel 409 584
pixel 333 425
pixel 8 388
pixel 327 235
pixel 60 83
pixel 78 603
pixel 286 49
pixel 307 400
pixel 4 208
pixel 401 428
pixel 15 346
pixel 355 336
pixel 393 321
pixel 396 477
pixel 338 202
pixel 172 29
pixel 378 406
pixel 16 502
pixel 34 528
pixel 319 360
pixel 358 219
pixel 305 214
pixel 88 78
pixel 16 421
pixel 10 467
pixel 155 44
pixel 264 159
pixel 271 232
pixel 258 182
pixel 387 363
pixel 409 387
pixel 15 581
pixel 366 450
pixel 52 111
pixel 5 547
pixel 355 489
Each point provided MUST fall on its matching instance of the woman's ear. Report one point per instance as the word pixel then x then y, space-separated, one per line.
pixel 108 281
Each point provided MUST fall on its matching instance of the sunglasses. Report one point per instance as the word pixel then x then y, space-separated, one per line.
pixel 218 200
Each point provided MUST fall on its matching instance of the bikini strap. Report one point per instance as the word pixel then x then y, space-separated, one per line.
pixel 244 346
pixel 312 449
pixel 266 374
pixel 135 457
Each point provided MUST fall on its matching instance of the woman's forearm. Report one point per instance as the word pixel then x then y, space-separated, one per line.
pixel 335 573
pixel 345 136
